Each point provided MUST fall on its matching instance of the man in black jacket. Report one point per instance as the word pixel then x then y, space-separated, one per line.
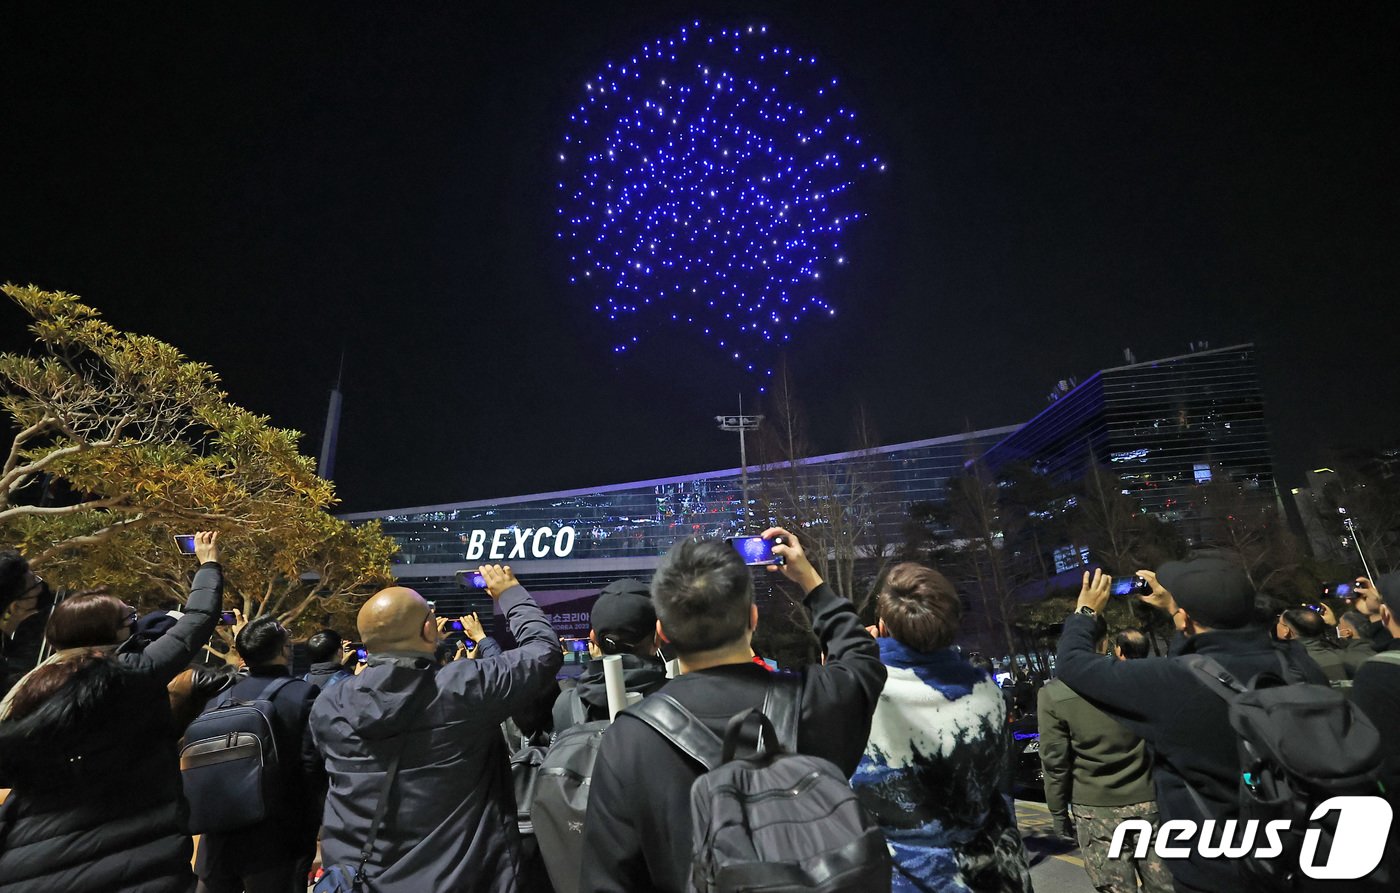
pixel 1376 689
pixel 275 855
pixel 451 823
pixel 1160 699
pixel 623 622
pixel 324 651
pixel 637 831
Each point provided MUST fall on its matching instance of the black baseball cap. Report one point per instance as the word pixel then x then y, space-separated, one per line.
pixel 624 610
pixel 1213 589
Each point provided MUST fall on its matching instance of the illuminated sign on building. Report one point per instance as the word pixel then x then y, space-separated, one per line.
pixel 507 543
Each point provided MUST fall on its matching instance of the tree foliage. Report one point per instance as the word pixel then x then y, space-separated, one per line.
pixel 141 444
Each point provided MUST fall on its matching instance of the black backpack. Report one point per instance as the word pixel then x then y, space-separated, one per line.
pixel 775 820
pixel 229 762
pixel 1299 744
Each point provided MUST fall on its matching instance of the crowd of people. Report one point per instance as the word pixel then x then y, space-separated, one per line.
pixel 399 767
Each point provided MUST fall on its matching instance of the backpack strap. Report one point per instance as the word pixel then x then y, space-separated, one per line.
pixel 381 809
pixel 277 685
pixel 1219 680
pixel 1384 657
pixel 782 704
pixel 680 727
pixel 577 709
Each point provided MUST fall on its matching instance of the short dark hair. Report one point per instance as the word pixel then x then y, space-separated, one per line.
pixel 919 606
pixel 1356 620
pixel 1306 622
pixel 13 571
pixel 83 621
pixel 703 593
pixel 1132 643
pixel 260 641
pixel 324 645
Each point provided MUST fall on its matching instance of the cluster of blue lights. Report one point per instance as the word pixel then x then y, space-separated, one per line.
pixel 708 181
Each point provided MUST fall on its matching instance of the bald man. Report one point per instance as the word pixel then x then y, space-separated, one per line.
pixel 450 823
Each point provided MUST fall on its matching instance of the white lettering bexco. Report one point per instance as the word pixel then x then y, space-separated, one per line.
pixel 1363 825
pixel 541 542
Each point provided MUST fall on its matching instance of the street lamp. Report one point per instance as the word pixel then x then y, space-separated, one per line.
pixel 741 423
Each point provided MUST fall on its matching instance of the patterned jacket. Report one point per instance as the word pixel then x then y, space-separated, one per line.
pixel 934 773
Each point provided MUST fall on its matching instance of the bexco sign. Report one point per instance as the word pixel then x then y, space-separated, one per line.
pixel 513 542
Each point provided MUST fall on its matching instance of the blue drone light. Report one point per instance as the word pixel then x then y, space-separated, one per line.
pixel 707 181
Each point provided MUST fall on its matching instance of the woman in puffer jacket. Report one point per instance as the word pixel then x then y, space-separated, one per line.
pixel 90 749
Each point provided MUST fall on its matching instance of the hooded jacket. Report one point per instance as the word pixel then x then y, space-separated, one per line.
pixel 450 825
pixel 638 674
pixel 1186 725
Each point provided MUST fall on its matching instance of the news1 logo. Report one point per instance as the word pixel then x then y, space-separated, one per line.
pixel 1363 826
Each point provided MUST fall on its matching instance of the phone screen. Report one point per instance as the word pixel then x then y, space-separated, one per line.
pixel 471 580
pixel 1125 586
pixel 756 551
pixel 226 618
pixel 185 543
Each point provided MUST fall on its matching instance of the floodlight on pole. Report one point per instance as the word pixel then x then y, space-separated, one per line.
pixel 741 423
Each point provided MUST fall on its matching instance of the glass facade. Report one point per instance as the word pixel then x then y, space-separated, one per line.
pixel 1165 427
pixel 627 524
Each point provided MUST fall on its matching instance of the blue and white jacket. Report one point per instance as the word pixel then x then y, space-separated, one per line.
pixel 934 773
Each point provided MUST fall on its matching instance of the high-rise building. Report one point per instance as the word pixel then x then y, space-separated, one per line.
pixel 1164 427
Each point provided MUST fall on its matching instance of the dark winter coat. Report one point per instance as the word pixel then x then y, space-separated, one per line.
pixel 451 819
pixel 326 674
pixel 637 832
pixel 97 803
pixel 1376 690
pixel 290 833
pixel 168 655
pixel 1187 726
pixel 638 674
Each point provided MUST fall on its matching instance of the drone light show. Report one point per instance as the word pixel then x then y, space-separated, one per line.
pixel 708 181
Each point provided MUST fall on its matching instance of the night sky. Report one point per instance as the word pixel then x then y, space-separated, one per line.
pixel 265 185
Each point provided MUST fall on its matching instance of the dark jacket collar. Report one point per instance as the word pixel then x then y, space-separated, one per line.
pixel 269 672
pixel 1251 639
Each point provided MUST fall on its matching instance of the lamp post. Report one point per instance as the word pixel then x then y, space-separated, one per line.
pixel 741 423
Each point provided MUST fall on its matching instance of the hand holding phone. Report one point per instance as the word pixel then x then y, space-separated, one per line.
pixel 795 566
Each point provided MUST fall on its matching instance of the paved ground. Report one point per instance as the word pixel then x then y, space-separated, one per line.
pixel 1055 863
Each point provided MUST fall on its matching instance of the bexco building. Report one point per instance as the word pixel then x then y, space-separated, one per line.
pixel 566 546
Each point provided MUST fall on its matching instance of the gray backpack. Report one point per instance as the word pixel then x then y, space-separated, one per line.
pixel 772 820
pixel 558 800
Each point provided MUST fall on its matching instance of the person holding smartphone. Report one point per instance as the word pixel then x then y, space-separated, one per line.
pixel 425 739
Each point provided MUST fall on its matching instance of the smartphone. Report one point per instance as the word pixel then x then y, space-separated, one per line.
pixel 471 580
pixel 227 619
pixel 1127 586
pixel 576 645
pixel 453 626
pixel 185 543
pixel 1316 609
pixel 757 551
pixel 361 654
